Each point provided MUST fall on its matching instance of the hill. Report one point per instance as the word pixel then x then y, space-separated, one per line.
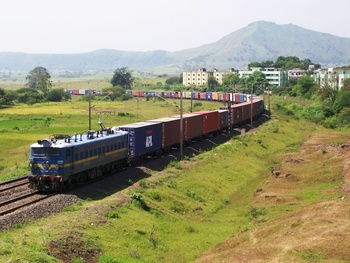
pixel 258 41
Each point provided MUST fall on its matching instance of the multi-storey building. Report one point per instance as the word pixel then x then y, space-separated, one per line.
pixel 274 76
pixel 331 77
pixel 296 73
pixel 200 76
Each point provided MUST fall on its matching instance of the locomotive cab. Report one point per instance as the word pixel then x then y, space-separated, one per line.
pixel 46 164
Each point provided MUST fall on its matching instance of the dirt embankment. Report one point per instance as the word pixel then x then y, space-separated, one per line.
pixel 318 232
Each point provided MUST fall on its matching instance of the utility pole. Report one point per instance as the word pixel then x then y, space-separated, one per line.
pixel 191 97
pixel 181 127
pixel 251 109
pixel 89 109
pixel 268 98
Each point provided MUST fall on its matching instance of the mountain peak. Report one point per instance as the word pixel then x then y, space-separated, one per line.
pixel 259 41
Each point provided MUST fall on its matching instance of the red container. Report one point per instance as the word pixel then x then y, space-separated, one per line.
pixel 192 126
pixel 135 93
pixel 225 96
pixel 202 96
pixel 236 98
pixel 170 131
pixel 210 121
pixel 236 114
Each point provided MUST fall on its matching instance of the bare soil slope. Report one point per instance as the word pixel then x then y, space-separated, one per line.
pixel 318 232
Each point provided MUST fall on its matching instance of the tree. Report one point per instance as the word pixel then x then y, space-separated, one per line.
pixel 346 85
pixel 172 81
pixel 2 97
pixel 58 95
pixel 230 80
pixel 256 80
pixel 305 87
pixel 122 77
pixel 39 79
pixel 29 96
pixel 114 92
pixel 212 83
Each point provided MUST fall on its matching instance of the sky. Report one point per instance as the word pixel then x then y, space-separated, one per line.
pixel 78 26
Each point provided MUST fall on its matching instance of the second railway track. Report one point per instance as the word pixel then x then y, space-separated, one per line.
pixel 21 201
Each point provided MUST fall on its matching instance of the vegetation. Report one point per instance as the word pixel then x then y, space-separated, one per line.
pixel 188 208
pixel 286 63
pixel 122 77
pixel 39 79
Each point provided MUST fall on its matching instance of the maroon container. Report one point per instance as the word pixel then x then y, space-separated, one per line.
pixel 170 131
pixel 223 119
pixel 225 96
pixel 202 96
pixel 210 121
pixel 192 125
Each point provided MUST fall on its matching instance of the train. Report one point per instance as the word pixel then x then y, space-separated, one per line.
pixel 63 161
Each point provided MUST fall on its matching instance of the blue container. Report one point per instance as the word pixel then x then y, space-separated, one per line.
pixel 209 96
pixel 145 138
pixel 242 98
pixel 70 91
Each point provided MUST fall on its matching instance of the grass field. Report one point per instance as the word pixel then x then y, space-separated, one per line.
pixel 186 209
pixel 22 125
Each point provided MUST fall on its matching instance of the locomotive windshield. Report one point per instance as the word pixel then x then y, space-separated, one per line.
pixel 46 151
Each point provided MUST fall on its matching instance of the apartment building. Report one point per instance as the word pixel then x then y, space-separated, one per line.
pixel 274 76
pixel 200 76
pixel 331 77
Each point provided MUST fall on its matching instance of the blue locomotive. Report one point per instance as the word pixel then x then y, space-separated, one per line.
pixel 67 160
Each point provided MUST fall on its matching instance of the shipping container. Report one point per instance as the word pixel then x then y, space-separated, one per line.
pixel 70 92
pixel 135 93
pixel 236 98
pixel 223 119
pixel 208 96
pixel 170 131
pixel 192 126
pixel 242 98
pixel 145 138
pixel 81 92
pixel 210 121
pixel 202 95
pixel 76 92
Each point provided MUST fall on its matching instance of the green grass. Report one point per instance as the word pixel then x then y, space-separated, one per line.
pixel 22 125
pixel 195 208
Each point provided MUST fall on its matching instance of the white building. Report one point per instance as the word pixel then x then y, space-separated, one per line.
pixel 273 76
pixel 332 77
pixel 200 76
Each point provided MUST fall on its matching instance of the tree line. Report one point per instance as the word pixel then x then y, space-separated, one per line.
pixel 327 105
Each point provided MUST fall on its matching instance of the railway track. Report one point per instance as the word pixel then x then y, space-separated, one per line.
pixel 15 194
pixel 11 184
pixel 26 199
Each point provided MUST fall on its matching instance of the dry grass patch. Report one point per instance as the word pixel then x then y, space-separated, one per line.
pixel 319 231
